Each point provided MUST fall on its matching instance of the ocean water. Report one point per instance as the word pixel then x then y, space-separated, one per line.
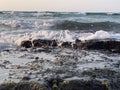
pixel 16 27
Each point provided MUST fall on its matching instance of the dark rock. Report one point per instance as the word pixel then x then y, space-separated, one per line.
pixel 54 82
pixel 77 44
pixel 26 44
pixel 23 86
pixel 26 78
pixel 44 43
pixel 29 86
pixel 36 58
pixel 109 45
pixel 101 73
pixel 37 43
pixel 84 85
pixel 67 44
pixel 7 86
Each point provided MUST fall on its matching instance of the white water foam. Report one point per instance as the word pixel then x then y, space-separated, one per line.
pixel 67 36
pixel 7 40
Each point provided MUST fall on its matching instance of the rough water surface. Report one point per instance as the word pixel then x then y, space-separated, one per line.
pixel 59 68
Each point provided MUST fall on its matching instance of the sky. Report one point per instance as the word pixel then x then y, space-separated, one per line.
pixel 61 5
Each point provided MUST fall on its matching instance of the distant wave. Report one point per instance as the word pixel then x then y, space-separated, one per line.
pixel 102 13
pixel 90 13
pixel 72 25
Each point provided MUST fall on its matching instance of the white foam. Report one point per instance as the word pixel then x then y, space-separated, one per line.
pixel 97 35
pixel 64 36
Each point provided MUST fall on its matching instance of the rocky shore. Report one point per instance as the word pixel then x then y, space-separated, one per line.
pixel 57 85
pixel 101 79
pixel 106 45
pixel 47 65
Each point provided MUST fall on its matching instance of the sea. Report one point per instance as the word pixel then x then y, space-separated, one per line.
pixel 17 26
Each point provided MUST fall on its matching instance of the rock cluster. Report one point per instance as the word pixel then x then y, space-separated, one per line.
pixel 56 84
pixel 108 45
pixel 22 86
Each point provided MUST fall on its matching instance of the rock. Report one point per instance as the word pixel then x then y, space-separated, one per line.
pixel 110 45
pixel 101 73
pixel 29 86
pixel 84 85
pixel 26 44
pixel 44 43
pixel 66 45
pixel 26 78
pixel 77 44
pixel 7 86
pixel 77 84
pixel 23 86
pixel 112 77
pixel 37 43
pixel 54 43
pixel 36 58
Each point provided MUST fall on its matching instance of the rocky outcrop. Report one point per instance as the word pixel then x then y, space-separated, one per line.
pixel 22 86
pixel 77 84
pixel 85 85
pixel 108 45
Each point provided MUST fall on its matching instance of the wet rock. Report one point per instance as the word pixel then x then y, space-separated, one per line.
pixel 36 58
pixel 26 44
pixel 77 84
pixel 112 77
pixel 26 78
pixel 6 62
pixel 109 45
pixel 102 73
pixel 23 86
pixel 7 86
pixel 77 44
pixel 84 85
pixel 54 82
pixel 67 44
pixel 44 43
pixel 37 43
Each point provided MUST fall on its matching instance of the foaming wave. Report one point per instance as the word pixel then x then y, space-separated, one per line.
pixel 67 36
pixel 60 36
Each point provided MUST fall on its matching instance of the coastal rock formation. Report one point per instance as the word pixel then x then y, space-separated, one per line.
pixel 108 45
pixel 85 85
pixel 22 86
pixel 77 84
